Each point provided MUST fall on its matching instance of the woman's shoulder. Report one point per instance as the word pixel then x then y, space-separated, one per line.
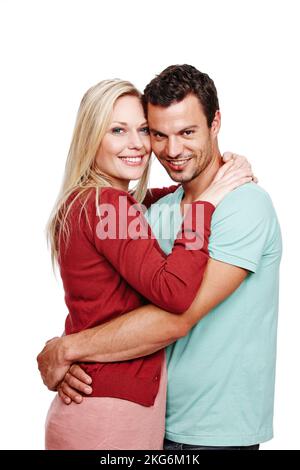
pixel 88 201
pixel 115 195
pixel 78 198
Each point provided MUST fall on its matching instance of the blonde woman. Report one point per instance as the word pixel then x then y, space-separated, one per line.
pixel 107 270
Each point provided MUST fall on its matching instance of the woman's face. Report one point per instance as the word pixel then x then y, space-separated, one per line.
pixel 125 149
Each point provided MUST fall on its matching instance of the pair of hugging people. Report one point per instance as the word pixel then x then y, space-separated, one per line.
pixel 172 293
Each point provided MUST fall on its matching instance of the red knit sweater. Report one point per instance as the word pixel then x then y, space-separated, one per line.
pixel 105 278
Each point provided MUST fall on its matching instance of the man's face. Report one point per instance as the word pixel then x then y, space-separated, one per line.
pixel 181 138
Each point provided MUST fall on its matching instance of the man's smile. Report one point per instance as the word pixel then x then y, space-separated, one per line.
pixel 178 164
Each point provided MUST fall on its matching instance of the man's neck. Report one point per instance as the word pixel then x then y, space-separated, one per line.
pixel 194 188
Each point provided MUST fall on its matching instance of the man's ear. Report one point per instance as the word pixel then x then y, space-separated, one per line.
pixel 216 125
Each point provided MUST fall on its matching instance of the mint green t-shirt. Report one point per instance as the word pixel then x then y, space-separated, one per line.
pixel 221 375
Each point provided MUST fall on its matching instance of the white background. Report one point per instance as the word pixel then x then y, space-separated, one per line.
pixel 51 52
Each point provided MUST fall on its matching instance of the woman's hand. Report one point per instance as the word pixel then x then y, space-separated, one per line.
pixel 234 173
pixel 75 384
pixel 239 160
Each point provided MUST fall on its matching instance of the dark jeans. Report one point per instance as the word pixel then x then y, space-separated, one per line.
pixel 170 445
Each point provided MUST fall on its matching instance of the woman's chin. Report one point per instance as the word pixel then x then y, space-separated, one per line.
pixel 134 177
pixel 133 173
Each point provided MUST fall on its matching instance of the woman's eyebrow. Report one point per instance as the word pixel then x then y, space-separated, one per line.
pixel 144 123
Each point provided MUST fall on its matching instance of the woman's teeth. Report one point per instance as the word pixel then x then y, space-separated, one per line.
pixel 132 160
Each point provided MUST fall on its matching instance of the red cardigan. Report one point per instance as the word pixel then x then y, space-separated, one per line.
pixel 105 278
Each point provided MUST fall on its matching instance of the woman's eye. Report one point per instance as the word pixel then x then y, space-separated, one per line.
pixel 145 130
pixel 117 130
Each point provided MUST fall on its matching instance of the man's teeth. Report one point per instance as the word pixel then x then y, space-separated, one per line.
pixel 178 162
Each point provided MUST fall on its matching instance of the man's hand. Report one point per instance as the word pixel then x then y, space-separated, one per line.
pixel 75 383
pixel 52 363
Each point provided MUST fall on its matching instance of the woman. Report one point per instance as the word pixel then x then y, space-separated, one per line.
pixel 110 261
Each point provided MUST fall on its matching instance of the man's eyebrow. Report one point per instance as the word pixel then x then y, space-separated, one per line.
pixel 193 126
pixel 155 130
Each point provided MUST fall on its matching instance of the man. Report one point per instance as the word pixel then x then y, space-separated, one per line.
pixel 221 374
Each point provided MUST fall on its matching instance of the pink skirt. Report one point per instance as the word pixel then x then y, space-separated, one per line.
pixel 104 423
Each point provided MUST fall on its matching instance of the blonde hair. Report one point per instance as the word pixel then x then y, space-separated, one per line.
pixel 81 173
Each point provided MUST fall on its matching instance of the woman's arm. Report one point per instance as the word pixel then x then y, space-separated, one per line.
pixel 122 235
pixel 154 194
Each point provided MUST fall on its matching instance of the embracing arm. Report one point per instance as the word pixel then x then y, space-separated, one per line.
pixel 149 328
pixel 154 194
pixel 131 248
pixel 137 333
pixel 122 235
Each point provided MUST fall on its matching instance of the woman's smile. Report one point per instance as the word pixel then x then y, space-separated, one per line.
pixel 136 160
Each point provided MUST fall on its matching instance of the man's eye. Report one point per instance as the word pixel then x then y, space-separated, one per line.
pixel 158 135
pixel 188 132
pixel 117 130
pixel 145 130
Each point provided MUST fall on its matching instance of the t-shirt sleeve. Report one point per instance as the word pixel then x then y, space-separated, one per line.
pixel 240 228
pixel 154 194
pixel 125 239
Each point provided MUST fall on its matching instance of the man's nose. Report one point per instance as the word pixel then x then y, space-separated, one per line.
pixel 173 147
pixel 135 141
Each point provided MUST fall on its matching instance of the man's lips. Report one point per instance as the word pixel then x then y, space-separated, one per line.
pixel 179 164
pixel 132 161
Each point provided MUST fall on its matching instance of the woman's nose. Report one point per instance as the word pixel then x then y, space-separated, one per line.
pixel 135 140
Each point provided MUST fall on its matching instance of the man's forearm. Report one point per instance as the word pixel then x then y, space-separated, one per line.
pixel 149 328
pixel 138 333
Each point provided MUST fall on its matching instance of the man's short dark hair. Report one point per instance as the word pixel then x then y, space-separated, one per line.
pixel 178 81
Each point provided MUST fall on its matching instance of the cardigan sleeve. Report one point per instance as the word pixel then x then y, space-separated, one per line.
pixel 154 194
pixel 123 236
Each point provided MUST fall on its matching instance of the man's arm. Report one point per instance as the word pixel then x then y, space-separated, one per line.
pixel 140 332
pixel 149 328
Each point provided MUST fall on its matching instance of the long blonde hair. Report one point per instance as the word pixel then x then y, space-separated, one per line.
pixel 81 173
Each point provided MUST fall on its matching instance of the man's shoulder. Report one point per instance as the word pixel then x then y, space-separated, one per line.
pixel 245 227
pixel 246 199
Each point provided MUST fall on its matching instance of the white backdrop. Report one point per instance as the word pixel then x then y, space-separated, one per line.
pixel 51 52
